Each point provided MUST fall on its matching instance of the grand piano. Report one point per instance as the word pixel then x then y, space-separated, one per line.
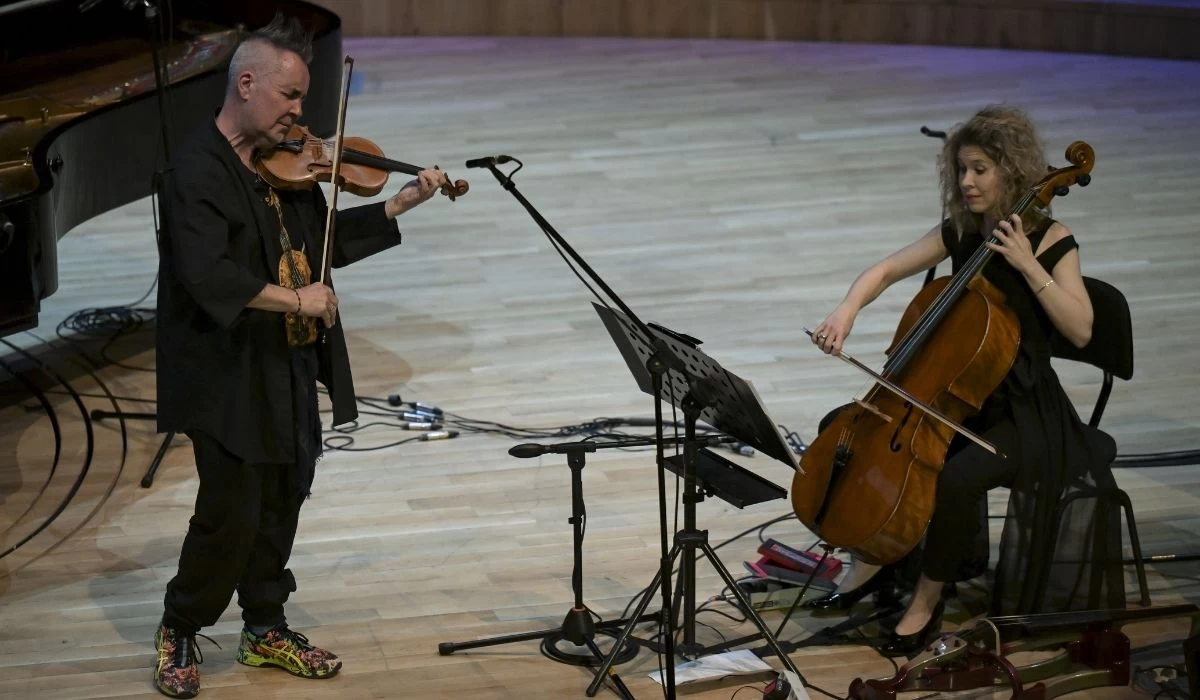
pixel 79 112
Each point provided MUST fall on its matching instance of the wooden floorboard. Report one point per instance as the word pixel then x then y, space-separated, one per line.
pixel 728 190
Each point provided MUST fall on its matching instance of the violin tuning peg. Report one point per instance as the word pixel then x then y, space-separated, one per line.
pixel 1084 180
pixel 1061 191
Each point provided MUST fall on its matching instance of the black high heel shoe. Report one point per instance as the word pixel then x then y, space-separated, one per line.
pixel 880 584
pixel 908 645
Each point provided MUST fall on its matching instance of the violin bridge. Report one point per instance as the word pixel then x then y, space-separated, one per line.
pixel 882 416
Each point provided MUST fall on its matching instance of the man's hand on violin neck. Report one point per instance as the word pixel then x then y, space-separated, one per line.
pixel 318 301
pixel 415 192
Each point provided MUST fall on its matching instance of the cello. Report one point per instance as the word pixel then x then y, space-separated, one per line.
pixel 867 482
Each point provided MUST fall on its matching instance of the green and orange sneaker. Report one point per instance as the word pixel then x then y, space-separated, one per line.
pixel 177 674
pixel 288 650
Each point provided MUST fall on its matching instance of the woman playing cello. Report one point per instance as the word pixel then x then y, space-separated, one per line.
pixel 986 165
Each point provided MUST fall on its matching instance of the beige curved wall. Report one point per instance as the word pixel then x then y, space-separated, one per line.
pixel 1159 28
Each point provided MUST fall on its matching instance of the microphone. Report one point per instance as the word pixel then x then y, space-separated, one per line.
pixel 528 449
pixel 488 161
pixel 933 134
pixel 533 449
pixel 418 406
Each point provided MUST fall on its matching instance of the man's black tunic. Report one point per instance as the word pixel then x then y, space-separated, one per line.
pixel 224 369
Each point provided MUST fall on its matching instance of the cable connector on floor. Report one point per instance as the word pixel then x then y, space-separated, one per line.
pixel 440 435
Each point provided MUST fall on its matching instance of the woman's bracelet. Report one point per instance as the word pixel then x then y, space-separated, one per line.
pixel 298 304
pixel 1043 287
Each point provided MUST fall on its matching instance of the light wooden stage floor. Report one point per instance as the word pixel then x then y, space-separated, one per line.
pixel 728 190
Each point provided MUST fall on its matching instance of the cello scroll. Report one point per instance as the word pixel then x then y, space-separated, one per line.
pixel 1059 181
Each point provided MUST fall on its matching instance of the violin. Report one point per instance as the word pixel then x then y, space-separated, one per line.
pixel 867 482
pixel 302 159
pixel 353 164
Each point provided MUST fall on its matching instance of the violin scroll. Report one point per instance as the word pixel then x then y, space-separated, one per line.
pixel 454 189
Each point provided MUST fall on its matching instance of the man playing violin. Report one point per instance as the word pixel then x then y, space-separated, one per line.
pixel 233 375
pixel 986 165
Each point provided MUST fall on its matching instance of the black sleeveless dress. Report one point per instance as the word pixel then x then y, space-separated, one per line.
pixel 1042 568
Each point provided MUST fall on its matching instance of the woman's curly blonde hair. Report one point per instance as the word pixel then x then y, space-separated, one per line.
pixel 1007 136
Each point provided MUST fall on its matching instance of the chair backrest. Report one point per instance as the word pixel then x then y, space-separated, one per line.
pixel 1111 346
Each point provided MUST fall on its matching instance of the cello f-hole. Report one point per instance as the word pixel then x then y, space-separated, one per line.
pixel 894 444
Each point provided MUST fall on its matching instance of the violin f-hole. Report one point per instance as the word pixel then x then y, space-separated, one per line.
pixel 894 444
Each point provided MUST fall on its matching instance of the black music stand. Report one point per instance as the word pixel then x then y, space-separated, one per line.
pixel 702 389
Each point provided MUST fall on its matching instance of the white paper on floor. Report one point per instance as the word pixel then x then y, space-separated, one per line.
pixel 732 663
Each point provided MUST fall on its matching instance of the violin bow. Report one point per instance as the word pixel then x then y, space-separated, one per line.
pixel 335 175
pixel 918 403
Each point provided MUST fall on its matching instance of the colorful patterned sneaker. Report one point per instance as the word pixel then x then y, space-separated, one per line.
pixel 288 650
pixel 177 673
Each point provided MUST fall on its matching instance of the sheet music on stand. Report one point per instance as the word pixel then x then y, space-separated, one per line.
pixel 734 406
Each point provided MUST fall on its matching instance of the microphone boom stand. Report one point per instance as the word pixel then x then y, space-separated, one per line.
pixel 154 19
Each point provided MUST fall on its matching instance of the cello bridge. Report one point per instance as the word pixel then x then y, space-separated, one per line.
pixel 871 408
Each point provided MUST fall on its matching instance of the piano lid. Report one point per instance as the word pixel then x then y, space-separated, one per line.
pixel 79 125
pixel 59 62
pixel 42 92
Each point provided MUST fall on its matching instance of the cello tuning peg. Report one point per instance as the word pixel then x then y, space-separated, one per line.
pixel 1084 180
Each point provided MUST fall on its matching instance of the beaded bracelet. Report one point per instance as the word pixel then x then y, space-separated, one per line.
pixel 298 305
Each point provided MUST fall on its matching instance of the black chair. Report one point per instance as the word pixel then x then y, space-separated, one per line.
pixel 1110 350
